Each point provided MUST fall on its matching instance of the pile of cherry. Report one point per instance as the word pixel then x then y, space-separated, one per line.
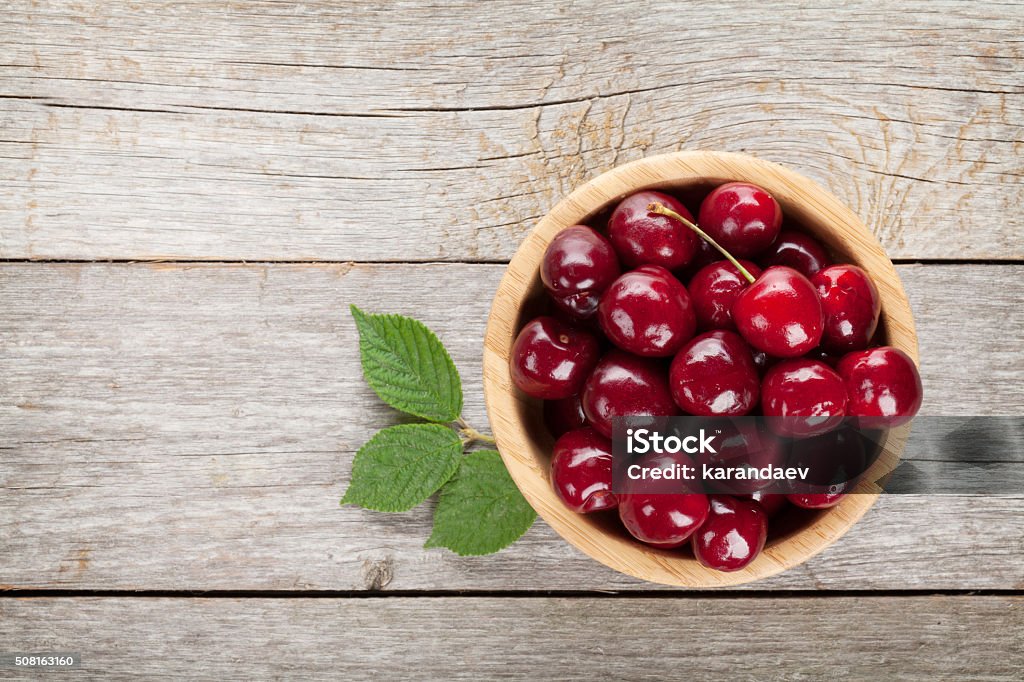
pixel 730 316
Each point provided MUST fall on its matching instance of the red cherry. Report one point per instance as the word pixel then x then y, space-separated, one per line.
pixel 714 289
pixel 835 461
pixel 624 385
pixel 771 503
pixel 647 312
pixel 883 385
pixel 714 374
pixel 808 395
pixel 743 218
pixel 562 416
pixel 662 520
pixel 740 444
pixel 642 237
pixel 799 251
pixel 851 305
pixel 816 500
pixel 654 513
pixel 581 471
pixel 578 266
pixel 733 534
pixel 706 255
pixel 551 360
pixel 780 313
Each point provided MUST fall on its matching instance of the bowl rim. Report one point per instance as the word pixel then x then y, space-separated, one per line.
pixel 522 453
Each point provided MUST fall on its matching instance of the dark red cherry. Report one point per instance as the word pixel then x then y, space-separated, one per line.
pixel 799 251
pixel 733 534
pixel 762 360
pixel 714 289
pixel 816 500
pixel 551 360
pixel 714 374
pixel 578 266
pixel 883 385
pixel 581 471
pixel 662 520
pixel 808 395
pixel 641 237
pixel 743 218
pixel 647 312
pixel 624 385
pixel 771 503
pixel 823 355
pixel 780 313
pixel 739 444
pixel 851 305
pixel 834 462
pixel 706 255
pixel 656 516
pixel 564 415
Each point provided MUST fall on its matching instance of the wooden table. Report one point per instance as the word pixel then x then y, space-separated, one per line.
pixel 191 195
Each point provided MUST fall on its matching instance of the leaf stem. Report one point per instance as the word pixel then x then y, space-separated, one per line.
pixel 471 435
pixel 655 207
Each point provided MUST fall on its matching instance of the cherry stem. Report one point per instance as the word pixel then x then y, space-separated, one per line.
pixel 470 435
pixel 661 209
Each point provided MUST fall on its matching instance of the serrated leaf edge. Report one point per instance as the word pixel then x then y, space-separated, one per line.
pixel 432 543
pixel 364 325
pixel 403 427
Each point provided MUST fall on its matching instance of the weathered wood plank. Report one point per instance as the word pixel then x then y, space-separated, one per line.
pixel 265 131
pixel 192 427
pixel 896 638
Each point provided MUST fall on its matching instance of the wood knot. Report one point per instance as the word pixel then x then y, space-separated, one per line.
pixel 377 574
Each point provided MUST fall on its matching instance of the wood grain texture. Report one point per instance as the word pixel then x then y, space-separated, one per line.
pixel 426 131
pixel 909 638
pixel 192 427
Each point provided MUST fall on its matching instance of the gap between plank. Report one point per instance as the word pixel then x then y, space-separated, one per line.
pixel 501 594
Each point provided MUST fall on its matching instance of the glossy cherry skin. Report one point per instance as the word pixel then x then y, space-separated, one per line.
pixel 714 374
pixel 662 520
pixel 780 313
pixel 799 251
pixel 816 500
pixel 653 513
pixel 851 305
pixel 808 394
pixel 647 312
pixel 733 534
pixel 578 266
pixel 641 237
pixel 883 385
pixel 562 416
pixel 743 218
pixel 624 385
pixel 771 503
pixel 713 291
pixel 581 471
pixel 551 360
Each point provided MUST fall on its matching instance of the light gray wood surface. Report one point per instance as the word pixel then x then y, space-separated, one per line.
pixel 862 638
pixel 192 427
pixel 442 131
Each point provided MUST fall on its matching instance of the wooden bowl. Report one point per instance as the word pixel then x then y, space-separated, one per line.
pixel 517 419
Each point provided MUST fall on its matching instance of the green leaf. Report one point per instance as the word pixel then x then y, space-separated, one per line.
pixel 480 511
pixel 408 367
pixel 402 466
